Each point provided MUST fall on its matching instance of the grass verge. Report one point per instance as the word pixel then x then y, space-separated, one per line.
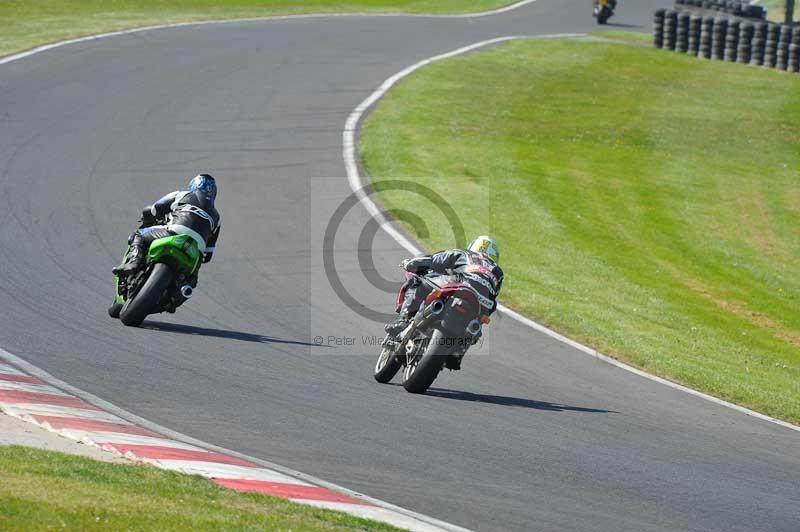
pixel 647 203
pixel 776 9
pixel 45 490
pixel 27 24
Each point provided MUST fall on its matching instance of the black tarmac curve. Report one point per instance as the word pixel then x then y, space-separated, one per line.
pixel 531 435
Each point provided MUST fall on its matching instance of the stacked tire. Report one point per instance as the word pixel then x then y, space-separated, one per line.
pixel 658 28
pixel 782 55
pixel 682 39
pixel 670 29
pixel 771 45
pixel 694 35
pixel 794 52
pixel 718 35
pixel 706 29
pixel 745 42
pixel 759 39
pixel 732 40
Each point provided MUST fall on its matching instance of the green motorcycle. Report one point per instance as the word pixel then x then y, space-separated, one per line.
pixel 164 284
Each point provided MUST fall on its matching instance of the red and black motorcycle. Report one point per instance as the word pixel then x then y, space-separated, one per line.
pixel 447 324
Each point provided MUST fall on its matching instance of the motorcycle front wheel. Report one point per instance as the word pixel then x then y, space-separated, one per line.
pixel 146 300
pixel 114 309
pixel 387 365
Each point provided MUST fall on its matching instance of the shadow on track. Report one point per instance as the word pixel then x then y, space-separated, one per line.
pixel 510 401
pixel 623 25
pixel 220 333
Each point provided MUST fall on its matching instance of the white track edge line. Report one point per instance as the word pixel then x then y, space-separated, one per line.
pixel 43 48
pixel 357 186
pixel 155 427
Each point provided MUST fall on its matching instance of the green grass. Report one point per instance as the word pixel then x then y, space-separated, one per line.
pixel 632 37
pixel 43 490
pixel 647 203
pixel 28 23
pixel 776 9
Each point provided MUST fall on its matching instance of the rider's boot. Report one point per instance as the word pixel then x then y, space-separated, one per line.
pixel 454 362
pixel 411 303
pixel 395 327
pixel 133 263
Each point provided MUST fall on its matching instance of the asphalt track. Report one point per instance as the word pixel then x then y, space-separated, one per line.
pixel 532 435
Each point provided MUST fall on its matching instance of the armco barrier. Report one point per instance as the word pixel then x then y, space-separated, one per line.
pixel 735 40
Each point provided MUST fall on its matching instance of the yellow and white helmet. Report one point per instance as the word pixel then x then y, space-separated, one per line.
pixel 487 246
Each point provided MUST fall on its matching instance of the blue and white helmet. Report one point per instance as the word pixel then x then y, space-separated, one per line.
pixel 205 185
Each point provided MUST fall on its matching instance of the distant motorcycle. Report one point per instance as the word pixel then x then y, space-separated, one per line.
pixel 447 324
pixel 603 10
pixel 163 285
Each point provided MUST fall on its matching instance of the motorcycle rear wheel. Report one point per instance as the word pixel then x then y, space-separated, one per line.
pixel 146 300
pixel 420 373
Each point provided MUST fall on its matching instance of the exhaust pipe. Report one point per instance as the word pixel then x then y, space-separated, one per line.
pixel 423 318
pixel 187 291
pixel 434 309
pixel 474 327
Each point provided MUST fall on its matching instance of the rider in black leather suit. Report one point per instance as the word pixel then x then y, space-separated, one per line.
pixel 190 212
pixel 476 264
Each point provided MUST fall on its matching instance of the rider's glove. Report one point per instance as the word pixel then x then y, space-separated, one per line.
pixel 148 219
pixel 418 265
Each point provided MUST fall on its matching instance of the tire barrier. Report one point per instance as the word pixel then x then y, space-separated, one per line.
pixel 782 56
pixel 718 38
pixel 706 29
pixel 694 35
pixel 670 29
pixel 736 8
pixel 757 49
pixel 682 39
pixel 658 28
pixel 745 43
pixel 794 52
pixel 732 40
pixel 771 45
pixel 728 39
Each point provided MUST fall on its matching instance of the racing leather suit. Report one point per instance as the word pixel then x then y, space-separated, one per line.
pixel 482 273
pixel 182 213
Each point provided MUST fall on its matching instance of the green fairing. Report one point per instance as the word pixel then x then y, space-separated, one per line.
pixel 179 251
